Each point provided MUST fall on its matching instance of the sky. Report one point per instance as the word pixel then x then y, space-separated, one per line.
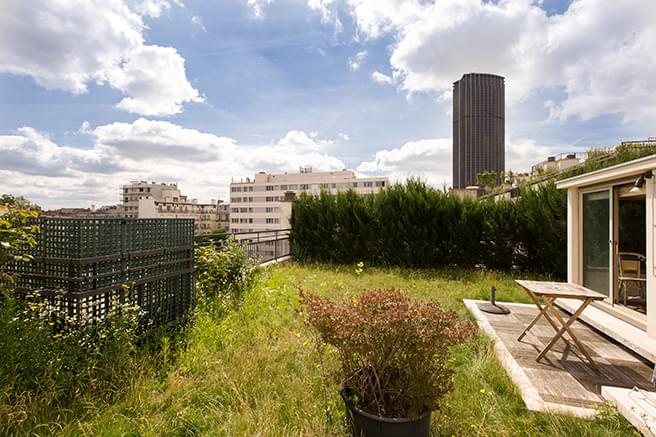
pixel 95 93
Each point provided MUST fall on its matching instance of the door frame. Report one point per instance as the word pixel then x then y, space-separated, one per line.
pixel 588 190
pixel 625 313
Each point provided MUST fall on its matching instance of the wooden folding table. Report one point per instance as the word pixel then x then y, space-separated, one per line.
pixel 550 291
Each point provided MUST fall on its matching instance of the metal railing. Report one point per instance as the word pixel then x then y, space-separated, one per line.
pixel 263 246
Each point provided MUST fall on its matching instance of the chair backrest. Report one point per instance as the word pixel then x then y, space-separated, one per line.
pixel 630 264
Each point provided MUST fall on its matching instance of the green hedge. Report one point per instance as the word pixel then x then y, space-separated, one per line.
pixel 414 225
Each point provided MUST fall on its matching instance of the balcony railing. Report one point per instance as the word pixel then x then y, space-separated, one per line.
pixel 263 246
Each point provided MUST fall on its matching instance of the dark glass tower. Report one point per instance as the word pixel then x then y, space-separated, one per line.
pixel 478 127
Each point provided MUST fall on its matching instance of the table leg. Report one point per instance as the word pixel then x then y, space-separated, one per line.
pixel 565 328
pixel 543 311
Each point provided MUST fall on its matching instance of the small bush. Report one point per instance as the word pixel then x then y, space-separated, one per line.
pixel 393 350
pixel 223 274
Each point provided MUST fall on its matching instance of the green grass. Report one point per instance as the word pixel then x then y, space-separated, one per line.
pixel 257 372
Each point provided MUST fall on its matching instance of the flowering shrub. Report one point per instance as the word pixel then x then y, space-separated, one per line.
pixel 393 350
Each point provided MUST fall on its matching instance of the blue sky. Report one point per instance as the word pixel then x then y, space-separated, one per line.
pixel 199 92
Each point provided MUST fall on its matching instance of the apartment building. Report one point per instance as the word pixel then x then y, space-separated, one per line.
pixel 223 215
pixel 143 199
pixel 264 203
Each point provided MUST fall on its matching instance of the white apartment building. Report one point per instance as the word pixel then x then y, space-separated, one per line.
pixel 260 204
pixel 143 199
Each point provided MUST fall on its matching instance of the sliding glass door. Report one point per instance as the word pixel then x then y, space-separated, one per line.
pixel 596 241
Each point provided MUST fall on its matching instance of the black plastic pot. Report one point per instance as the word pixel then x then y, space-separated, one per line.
pixel 365 424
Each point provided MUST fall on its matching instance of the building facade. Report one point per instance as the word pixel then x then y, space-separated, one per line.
pixel 478 127
pixel 558 163
pixel 143 199
pixel 264 203
pixel 611 249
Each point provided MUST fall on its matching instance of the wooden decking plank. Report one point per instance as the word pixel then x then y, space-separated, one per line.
pixel 563 377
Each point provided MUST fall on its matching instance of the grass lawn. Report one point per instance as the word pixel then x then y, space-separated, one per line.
pixel 257 372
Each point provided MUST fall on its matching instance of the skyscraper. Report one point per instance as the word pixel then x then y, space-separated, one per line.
pixel 478 127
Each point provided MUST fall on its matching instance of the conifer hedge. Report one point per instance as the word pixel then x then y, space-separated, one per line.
pixel 414 225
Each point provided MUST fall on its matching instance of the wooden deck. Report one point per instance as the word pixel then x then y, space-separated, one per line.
pixel 562 381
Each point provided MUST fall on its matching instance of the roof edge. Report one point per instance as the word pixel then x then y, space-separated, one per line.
pixel 616 171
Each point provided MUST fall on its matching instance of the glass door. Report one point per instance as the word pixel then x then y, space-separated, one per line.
pixel 630 285
pixel 596 241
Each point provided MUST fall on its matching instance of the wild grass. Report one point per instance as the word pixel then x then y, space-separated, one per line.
pixel 257 371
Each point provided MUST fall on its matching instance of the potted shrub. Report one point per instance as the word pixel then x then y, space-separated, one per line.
pixel 394 357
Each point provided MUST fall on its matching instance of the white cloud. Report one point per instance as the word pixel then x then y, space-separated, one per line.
pixel 151 139
pixel 155 81
pixel 85 128
pixel 258 6
pixel 356 61
pixel 198 23
pixel 428 159
pixel 154 8
pixel 296 149
pixel 522 153
pixel 602 54
pixel 431 159
pixel 70 43
pixel 202 163
pixel 327 13
pixel 33 153
pixel 343 136
pixel 381 78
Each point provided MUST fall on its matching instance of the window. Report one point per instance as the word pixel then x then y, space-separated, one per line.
pixel 235 199
pixel 269 187
pixel 369 184
pixel 236 189
pixel 304 186
pixel 283 187
pixel 141 190
pixel 270 198
pixel 249 189
pixel 355 185
pixel 380 183
pixel 234 220
pixel 293 187
pixel 323 186
pixel 272 220
pixel 333 186
pixel 125 199
pixel 243 210
pixel 235 209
